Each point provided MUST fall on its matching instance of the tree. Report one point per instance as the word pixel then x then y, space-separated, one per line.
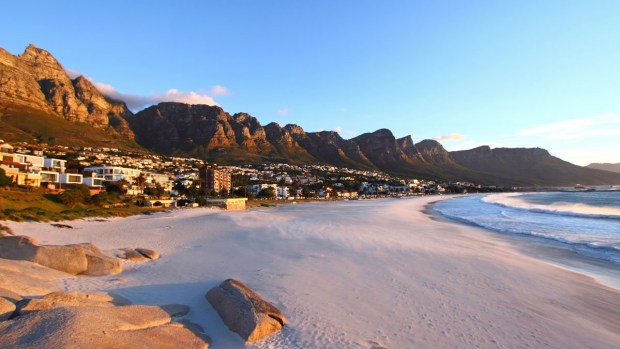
pixel 141 182
pixel 305 192
pixel 76 195
pixel 4 179
pixel 119 187
pixel 267 193
pixel 157 191
pixel 241 192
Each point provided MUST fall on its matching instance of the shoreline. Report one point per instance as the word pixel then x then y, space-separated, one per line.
pixel 550 251
pixel 424 283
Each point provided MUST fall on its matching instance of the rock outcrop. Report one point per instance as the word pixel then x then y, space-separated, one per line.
pixel 70 299
pixel 83 321
pixel 137 254
pixel 7 308
pixel 99 262
pixel 84 259
pixel 35 80
pixel 23 278
pixel 148 253
pixel 244 311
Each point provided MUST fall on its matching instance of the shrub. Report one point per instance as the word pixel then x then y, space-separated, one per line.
pixel 4 179
pixel 74 196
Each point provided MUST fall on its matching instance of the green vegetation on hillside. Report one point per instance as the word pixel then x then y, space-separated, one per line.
pixel 34 126
pixel 72 204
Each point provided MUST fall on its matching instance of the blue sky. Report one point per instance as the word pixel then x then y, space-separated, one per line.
pixel 503 73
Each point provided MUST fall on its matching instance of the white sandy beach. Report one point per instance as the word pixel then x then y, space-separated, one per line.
pixel 356 274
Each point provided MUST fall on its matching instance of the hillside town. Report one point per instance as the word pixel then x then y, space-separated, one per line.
pixel 176 180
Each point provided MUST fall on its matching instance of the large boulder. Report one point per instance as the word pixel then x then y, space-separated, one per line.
pixel 61 299
pixel 70 259
pixel 6 309
pixel 76 259
pixel 100 263
pixel 245 311
pixel 87 326
pixel 150 254
pixel 23 278
pixel 10 295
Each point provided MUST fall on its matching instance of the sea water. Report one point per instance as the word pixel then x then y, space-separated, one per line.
pixel 587 223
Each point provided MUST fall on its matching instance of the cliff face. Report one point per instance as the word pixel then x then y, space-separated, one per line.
pixel 168 127
pixel 381 148
pixel 35 80
pixel 433 152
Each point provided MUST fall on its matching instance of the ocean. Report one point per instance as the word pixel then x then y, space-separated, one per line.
pixel 586 223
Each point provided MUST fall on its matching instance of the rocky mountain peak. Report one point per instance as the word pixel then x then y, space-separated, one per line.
pixel 381 138
pixel 39 56
pixel 294 129
pixel 433 151
pixel 35 80
pixel 430 144
pixel 406 145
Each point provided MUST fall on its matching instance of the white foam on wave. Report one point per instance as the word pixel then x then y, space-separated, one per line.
pixel 566 208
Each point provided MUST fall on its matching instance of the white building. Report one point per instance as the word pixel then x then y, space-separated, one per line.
pixel 94 180
pixel 114 173
pixel 254 189
pixel 283 193
pixel 162 179
pixel 31 161
pixel 71 178
pixel 55 165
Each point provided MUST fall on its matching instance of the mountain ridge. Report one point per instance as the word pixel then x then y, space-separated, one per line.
pixel 36 93
pixel 36 80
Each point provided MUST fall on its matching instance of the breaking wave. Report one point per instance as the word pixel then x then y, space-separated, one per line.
pixel 517 200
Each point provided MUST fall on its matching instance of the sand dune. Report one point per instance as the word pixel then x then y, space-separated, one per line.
pixel 356 274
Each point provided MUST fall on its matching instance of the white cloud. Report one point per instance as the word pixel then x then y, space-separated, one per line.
pixel 604 125
pixel 219 90
pixel 137 102
pixel 283 111
pixel 72 73
pixel 450 137
pixel 191 97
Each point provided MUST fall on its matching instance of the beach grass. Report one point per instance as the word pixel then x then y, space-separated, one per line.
pixel 39 206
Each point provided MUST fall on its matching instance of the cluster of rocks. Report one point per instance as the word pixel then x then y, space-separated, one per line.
pixel 76 259
pixel 33 314
pixel 83 320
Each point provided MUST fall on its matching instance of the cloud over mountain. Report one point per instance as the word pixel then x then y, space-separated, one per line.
pixel 450 137
pixel 136 102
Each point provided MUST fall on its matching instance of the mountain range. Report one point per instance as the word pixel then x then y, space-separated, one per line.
pixel 39 102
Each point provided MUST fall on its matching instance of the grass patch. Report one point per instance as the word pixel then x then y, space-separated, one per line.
pixel 41 207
